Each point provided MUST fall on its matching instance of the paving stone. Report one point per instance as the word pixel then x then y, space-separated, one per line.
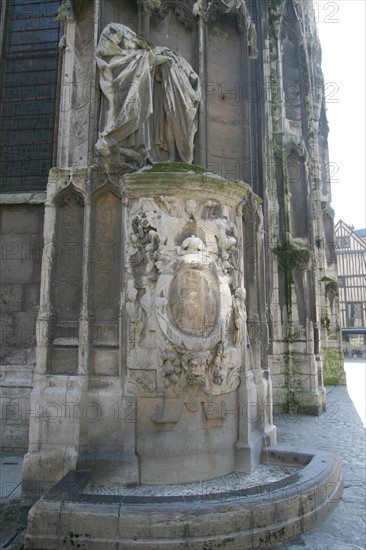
pixel 340 429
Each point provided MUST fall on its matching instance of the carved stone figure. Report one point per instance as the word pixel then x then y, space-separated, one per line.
pixel 195 366
pixel 134 312
pixel 151 98
pixel 145 243
pixel 240 315
pixel 217 372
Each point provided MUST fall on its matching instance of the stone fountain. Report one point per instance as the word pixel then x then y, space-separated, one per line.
pixel 148 372
pixel 171 391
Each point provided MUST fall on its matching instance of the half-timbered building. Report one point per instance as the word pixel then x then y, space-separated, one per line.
pixel 351 259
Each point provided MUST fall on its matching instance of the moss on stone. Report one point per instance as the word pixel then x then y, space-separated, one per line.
pixel 331 286
pixel 325 322
pixel 291 255
pixel 177 167
pixel 318 242
pixel 333 372
pixel 294 402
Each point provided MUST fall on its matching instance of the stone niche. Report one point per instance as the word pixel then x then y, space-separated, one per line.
pixel 162 385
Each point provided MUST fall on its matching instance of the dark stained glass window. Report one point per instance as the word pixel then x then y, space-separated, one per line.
pixel 28 94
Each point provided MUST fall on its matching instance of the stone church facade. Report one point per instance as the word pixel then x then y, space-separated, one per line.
pixel 249 106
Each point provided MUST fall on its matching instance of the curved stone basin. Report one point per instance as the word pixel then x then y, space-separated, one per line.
pixel 248 518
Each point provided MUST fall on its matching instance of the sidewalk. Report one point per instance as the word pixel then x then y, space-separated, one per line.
pixel 340 429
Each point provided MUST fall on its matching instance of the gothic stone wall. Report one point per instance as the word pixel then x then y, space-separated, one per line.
pixel 20 266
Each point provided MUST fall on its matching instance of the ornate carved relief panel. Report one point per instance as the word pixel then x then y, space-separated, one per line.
pixel 182 280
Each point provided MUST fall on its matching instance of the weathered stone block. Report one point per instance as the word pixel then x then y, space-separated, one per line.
pixel 44 519
pixel 105 362
pixel 21 219
pixel 277 368
pixel 279 380
pixel 31 296
pixel 64 360
pixel 11 297
pixel 15 437
pixel 20 357
pixel 25 329
pixel 7 330
pixel 20 253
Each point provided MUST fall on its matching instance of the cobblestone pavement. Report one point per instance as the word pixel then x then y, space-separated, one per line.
pixel 340 429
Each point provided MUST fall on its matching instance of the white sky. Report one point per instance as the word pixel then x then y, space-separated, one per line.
pixel 342 29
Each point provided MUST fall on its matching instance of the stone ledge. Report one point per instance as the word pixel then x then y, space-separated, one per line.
pixel 205 186
pixel 239 519
pixel 16 376
pixel 38 197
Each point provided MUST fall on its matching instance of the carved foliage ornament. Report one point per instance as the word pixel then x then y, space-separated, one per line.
pixel 183 10
pixel 144 380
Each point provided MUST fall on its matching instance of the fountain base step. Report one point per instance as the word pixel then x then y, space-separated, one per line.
pixel 255 516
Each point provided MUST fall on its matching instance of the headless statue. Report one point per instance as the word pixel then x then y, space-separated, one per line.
pixel 150 99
